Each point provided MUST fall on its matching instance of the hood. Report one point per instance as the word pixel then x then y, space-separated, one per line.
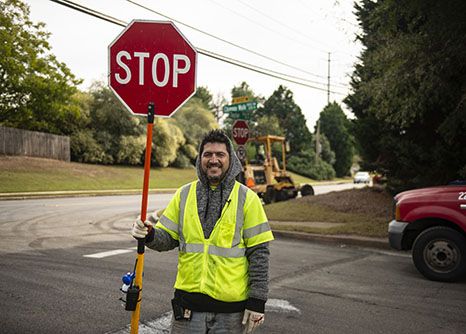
pixel 211 201
pixel 429 192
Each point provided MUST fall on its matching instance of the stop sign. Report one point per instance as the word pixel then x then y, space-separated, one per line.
pixel 240 132
pixel 151 61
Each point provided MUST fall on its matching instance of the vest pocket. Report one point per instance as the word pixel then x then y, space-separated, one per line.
pixel 231 279
pixel 189 275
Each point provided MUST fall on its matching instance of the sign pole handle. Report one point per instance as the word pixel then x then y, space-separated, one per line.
pixel 145 191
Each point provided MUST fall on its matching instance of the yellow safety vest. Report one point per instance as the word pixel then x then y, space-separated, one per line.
pixel 216 266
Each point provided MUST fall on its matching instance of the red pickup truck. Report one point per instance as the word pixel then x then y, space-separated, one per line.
pixel 432 222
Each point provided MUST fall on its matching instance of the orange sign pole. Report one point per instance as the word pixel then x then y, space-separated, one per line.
pixel 145 193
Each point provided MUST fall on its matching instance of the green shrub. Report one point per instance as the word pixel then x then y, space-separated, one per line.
pixel 131 150
pixel 318 170
pixel 84 148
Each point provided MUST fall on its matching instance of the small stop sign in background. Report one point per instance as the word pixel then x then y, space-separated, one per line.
pixel 240 132
pixel 151 61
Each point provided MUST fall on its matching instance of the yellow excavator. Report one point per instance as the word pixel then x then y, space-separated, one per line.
pixel 264 175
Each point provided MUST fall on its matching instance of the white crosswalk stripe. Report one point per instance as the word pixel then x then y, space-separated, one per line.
pixel 110 253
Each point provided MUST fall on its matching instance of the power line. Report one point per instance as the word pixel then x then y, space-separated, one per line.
pixel 225 41
pixel 288 37
pixel 108 18
pixel 260 70
pixel 284 25
pixel 91 12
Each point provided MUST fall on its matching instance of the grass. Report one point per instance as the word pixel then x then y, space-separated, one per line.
pixel 20 174
pixel 376 229
pixel 24 174
pixel 364 212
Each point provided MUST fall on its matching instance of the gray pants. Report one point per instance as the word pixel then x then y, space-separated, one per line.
pixel 212 323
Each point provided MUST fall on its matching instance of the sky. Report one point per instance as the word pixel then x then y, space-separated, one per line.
pixel 294 37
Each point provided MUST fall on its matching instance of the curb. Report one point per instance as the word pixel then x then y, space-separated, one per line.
pixel 61 194
pixel 381 243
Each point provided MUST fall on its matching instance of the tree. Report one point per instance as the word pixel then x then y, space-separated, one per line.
pixel 111 122
pixel 217 107
pixel 167 140
pixel 268 125
pixel 304 163
pixel 336 127
pixel 213 105
pixel 326 153
pixel 281 105
pixel 410 90
pixel 243 90
pixel 36 90
pixel 204 95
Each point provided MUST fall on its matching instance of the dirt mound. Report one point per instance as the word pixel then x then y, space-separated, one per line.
pixel 371 201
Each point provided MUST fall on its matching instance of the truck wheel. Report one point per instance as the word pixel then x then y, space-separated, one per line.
pixel 439 253
pixel 307 190
pixel 269 195
pixel 281 195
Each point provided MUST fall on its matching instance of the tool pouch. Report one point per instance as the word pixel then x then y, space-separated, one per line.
pixel 132 298
pixel 180 312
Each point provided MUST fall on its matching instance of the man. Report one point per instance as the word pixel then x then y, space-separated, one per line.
pixel 222 234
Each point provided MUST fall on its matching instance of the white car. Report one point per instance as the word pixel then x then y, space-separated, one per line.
pixel 362 177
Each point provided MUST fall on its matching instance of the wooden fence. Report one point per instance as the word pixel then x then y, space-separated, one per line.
pixel 34 144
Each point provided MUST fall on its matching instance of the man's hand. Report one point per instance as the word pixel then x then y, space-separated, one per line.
pixel 252 320
pixel 140 229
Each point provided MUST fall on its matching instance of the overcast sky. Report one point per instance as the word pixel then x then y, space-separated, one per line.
pixel 298 33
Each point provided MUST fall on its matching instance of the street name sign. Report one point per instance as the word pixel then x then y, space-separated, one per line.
pixel 246 106
pixel 239 99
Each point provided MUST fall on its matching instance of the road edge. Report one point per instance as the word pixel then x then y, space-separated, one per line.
pixel 352 240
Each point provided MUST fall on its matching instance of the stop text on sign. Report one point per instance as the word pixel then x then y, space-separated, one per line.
pixel 240 133
pixel 160 67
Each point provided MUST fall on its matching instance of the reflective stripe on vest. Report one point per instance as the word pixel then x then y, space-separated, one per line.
pixel 214 250
pixel 183 198
pixel 258 229
pixel 169 224
pixel 235 250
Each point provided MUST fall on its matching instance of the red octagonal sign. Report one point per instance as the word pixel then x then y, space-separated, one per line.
pixel 151 61
pixel 240 132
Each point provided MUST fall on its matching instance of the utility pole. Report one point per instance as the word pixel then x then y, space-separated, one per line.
pixel 318 140
pixel 318 148
pixel 328 79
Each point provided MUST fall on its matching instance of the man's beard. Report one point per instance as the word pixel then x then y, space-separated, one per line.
pixel 215 179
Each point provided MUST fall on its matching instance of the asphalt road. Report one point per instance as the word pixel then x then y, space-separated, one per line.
pixel 57 278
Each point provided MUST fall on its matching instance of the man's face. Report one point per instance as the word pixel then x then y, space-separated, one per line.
pixel 215 162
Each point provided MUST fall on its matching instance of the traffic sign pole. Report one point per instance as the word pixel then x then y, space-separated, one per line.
pixel 145 193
